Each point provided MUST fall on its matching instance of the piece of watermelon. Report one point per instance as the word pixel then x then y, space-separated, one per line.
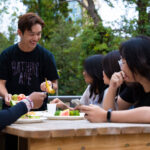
pixel 64 112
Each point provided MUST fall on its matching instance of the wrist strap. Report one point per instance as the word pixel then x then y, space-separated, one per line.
pixel 52 85
pixel 109 115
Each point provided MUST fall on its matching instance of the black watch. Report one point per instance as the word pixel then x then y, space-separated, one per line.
pixel 109 115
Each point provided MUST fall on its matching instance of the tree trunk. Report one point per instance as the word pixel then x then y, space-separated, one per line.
pixel 91 10
pixel 93 13
pixel 143 16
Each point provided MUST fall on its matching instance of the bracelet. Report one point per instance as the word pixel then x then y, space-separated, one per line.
pixel 30 101
pixel 109 115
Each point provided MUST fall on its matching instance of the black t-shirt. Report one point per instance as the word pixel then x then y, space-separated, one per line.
pixel 25 71
pixel 136 96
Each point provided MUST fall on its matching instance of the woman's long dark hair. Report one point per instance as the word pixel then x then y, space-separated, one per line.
pixel 110 63
pixel 136 52
pixel 93 66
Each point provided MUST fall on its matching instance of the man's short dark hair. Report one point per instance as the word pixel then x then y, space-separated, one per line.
pixel 27 20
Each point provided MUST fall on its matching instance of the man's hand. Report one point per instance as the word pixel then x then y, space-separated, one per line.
pixel 37 98
pixel 53 84
pixel 7 99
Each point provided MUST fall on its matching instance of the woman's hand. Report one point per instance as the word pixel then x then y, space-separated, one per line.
pixel 37 98
pixel 93 113
pixel 59 103
pixel 116 79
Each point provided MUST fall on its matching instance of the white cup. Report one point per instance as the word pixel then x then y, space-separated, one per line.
pixel 51 108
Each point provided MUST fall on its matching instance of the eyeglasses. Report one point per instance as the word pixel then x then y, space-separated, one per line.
pixel 120 63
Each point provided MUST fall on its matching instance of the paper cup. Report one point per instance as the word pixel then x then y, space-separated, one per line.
pixel 51 108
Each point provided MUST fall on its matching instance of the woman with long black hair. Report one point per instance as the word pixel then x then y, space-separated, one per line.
pixel 93 76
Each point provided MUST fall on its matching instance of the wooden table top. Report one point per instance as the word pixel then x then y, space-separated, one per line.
pixel 69 128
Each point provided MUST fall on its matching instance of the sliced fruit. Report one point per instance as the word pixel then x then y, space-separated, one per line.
pixel 21 97
pixel 15 97
pixel 34 117
pixel 76 113
pixel 52 91
pixel 30 115
pixel 64 112
pixel 71 113
pixel 57 113
pixel 12 102
pixel 49 88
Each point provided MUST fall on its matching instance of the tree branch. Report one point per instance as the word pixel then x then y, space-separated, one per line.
pixel 90 10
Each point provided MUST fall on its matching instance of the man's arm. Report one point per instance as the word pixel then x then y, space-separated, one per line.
pixel 4 93
pixel 3 90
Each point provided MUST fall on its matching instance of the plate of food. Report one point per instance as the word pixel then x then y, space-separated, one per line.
pixel 66 115
pixel 31 117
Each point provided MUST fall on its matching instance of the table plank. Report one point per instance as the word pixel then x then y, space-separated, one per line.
pixel 68 128
pixel 100 142
pixel 80 135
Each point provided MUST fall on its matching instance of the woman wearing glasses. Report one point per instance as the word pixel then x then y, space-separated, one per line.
pixel 135 66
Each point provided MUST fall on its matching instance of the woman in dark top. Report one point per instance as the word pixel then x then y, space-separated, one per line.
pixel 135 66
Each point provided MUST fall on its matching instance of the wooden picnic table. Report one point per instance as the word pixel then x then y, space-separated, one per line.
pixel 80 135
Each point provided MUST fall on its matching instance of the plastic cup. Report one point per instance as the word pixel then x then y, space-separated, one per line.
pixel 51 108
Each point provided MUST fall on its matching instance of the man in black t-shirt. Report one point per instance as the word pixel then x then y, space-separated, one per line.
pixel 25 65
